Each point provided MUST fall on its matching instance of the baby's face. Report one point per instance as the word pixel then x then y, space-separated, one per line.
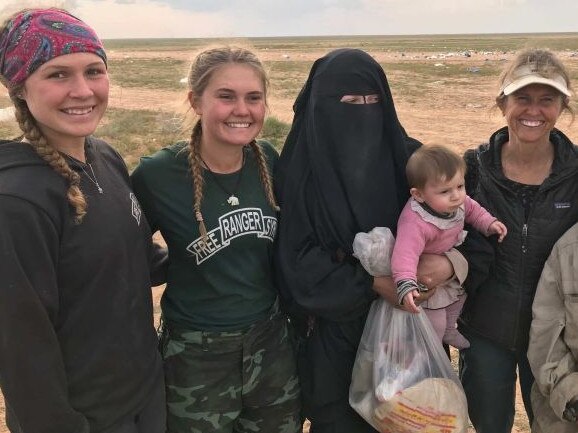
pixel 442 195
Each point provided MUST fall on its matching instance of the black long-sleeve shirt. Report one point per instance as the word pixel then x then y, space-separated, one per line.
pixel 77 343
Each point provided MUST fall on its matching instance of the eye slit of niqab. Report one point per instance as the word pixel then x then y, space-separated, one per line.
pixel 360 99
pixel 372 99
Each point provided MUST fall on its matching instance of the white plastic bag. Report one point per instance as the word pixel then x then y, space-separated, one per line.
pixel 402 379
pixel 373 250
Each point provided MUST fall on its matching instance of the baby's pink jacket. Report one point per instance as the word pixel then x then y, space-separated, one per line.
pixel 416 236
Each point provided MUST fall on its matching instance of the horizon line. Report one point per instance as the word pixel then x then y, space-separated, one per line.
pixel 412 35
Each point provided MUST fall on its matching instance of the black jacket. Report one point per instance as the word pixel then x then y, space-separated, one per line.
pixel 499 307
pixel 77 343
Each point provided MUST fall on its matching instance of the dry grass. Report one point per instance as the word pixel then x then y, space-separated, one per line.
pixel 438 97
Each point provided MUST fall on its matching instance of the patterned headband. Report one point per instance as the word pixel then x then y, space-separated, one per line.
pixel 33 37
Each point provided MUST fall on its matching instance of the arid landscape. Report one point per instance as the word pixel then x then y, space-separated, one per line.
pixel 443 86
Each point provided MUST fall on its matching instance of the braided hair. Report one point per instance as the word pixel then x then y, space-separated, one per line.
pixel 38 142
pixel 25 24
pixel 200 73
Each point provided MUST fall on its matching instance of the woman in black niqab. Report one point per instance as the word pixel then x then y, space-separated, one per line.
pixel 341 171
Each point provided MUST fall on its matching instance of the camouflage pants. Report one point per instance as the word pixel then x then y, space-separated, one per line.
pixel 232 382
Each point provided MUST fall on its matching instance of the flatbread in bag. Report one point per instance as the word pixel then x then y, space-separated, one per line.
pixel 434 405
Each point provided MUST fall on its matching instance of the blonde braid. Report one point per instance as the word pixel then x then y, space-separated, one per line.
pixel 264 174
pixel 49 154
pixel 198 181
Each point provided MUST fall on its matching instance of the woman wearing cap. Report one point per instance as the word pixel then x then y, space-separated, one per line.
pixel 77 343
pixel 527 177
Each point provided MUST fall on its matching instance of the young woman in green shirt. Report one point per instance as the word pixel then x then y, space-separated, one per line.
pixel 229 364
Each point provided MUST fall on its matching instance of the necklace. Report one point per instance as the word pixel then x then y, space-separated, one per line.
pixel 95 180
pixel 233 200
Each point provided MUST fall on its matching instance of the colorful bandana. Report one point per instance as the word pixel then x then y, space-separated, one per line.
pixel 35 36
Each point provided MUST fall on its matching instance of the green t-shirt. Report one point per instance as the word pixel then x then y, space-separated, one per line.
pixel 226 284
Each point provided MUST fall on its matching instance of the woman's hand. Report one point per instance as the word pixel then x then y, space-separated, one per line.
pixel 424 296
pixel 385 287
pixel 432 270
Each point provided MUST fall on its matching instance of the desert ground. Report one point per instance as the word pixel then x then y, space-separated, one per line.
pixel 443 87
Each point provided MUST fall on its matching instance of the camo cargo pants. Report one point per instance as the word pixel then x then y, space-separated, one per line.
pixel 232 382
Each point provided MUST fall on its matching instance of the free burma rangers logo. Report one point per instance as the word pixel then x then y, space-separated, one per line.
pixel 135 208
pixel 240 222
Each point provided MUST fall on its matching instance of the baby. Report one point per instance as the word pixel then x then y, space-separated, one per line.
pixel 432 222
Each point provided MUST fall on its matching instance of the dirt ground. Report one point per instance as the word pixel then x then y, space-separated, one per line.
pixel 458 116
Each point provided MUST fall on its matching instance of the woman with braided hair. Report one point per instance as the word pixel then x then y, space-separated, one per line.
pixel 77 343
pixel 229 365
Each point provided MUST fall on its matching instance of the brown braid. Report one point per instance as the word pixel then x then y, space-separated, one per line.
pixel 198 181
pixel 200 73
pixel 49 154
pixel 264 174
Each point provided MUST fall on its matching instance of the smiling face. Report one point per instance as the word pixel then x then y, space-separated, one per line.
pixel 531 112
pixel 443 196
pixel 67 96
pixel 232 106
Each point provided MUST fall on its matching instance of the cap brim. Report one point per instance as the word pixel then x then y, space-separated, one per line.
pixel 533 79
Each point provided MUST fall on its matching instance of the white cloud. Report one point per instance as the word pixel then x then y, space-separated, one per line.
pixel 148 19
pixel 8 7
pixel 239 18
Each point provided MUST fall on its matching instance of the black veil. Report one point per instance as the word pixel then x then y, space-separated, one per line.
pixel 341 171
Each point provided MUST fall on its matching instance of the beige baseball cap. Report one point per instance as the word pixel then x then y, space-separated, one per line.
pixel 526 75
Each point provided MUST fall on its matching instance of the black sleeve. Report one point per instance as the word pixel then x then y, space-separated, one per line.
pixel 159 256
pixel 159 264
pixel 477 249
pixel 32 371
pixel 324 283
pixel 330 287
pixel 139 186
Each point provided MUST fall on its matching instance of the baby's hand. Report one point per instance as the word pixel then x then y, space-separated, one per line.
pixel 408 303
pixel 498 228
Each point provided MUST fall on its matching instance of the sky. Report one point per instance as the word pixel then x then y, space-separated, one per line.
pixel 253 18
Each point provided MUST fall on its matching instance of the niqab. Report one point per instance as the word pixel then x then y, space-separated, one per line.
pixel 341 171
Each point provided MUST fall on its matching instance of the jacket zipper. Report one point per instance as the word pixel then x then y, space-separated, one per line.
pixel 524 250
pixel 524 238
